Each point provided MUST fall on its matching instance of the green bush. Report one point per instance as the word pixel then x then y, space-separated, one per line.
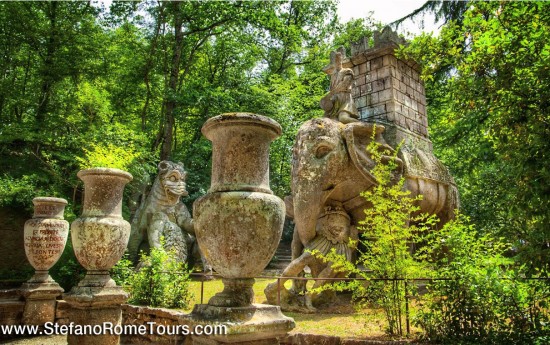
pixel 161 281
pixel 482 298
pixel 390 227
pixel 478 297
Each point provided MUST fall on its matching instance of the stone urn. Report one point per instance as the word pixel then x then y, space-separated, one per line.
pixel 45 236
pixel 100 235
pixel 239 222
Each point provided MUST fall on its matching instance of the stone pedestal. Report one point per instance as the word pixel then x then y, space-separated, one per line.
pixel 95 306
pixel 257 324
pixel 40 302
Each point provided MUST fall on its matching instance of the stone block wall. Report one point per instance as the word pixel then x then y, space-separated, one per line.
pixel 11 308
pixel 139 315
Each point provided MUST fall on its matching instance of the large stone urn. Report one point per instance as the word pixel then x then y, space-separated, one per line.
pixel 100 235
pixel 45 236
pixel 238 225
pixel 99 238
pixel 239 222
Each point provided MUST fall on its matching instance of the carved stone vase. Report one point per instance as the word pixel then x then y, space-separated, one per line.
pixel 239 222
pixel 100 235
pixel 45 237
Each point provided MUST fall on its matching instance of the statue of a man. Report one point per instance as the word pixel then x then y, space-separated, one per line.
pixel 338 103
pixel 333 232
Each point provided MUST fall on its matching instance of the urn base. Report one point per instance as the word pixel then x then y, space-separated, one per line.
pixel 40 302
pixel 41 277
pixel 255 324
pixel 95 306
pixel 236 293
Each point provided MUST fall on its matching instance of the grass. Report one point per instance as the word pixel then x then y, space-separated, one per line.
pixel 338 320
pixel 212 287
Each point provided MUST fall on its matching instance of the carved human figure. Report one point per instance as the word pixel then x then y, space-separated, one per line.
pixel 338 103
pixel 163 215
pixel 333 233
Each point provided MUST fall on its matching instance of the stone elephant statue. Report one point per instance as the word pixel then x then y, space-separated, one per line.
pixel 330 168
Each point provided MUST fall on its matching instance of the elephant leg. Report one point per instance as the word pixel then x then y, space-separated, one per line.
pixel 297 249
pixel 323 296
pixel 296 246
pixel 206 267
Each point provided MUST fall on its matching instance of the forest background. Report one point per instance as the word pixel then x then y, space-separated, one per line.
pixel 128 86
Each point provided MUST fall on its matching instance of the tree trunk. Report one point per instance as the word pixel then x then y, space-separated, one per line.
pixel 47 71
pixel 169 101
pixel 149 66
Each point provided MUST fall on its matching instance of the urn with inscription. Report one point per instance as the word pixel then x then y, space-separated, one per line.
pixel 45 236
pixel 100 235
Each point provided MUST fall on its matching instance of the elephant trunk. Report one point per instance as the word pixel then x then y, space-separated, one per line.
pixel 308 203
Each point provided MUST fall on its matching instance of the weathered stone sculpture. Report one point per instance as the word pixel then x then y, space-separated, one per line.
pixel 99 236
pixel 45 238
pixel 332 167
pixel 338 103
pixel 164 215
pixel 333 231
pixel 239 224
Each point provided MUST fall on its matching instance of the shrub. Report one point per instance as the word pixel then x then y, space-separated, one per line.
pixel 482 298
pixel 162 281
pixel 390 227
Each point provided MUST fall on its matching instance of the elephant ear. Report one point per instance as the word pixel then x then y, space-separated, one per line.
pixel 358 136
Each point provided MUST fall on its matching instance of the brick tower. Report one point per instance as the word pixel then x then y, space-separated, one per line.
pixel 389 91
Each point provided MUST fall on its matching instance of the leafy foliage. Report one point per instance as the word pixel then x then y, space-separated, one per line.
pixel 161 281
pixel 391 226
pixel 110 156
pixel 477 298
pixel 83 86
pixel 488 89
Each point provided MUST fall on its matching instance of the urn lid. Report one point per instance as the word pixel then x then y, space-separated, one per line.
pixel 49 207
pixel 241 119
pixel 105 172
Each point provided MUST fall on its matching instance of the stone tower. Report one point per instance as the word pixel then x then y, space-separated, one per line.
pixel 388 90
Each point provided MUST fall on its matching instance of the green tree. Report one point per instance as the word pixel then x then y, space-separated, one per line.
pixel 478 296
pixel 79 85
pixel 488 85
